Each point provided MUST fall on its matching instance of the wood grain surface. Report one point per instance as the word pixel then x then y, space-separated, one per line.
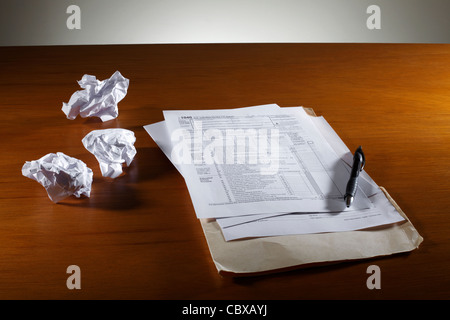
pixel 137 237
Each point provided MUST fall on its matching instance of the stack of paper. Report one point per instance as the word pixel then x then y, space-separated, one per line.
pixel 267 184
pixel 268 171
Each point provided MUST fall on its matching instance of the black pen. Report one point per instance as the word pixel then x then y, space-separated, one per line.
pixel 358 164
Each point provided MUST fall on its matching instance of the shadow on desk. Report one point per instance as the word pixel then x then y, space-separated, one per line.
pixel 122 193
pixel 319 268
pixel 109 195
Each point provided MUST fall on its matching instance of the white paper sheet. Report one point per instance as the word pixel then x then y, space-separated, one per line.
pixel 300 173
pixel 159 134
pixel 112 148
pixel 60 175
pixel 304 223
pixel 358 219
pixel 98 99
pixel 366 184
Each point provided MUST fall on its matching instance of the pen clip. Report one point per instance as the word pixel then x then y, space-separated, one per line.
pixel 359 150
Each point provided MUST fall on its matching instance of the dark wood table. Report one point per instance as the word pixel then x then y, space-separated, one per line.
pixel 137 237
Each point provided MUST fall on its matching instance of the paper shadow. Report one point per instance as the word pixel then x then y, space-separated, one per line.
pixel 90 120
pixel 115 194
pixel 149 163
pixel 109 194
pixel 313 269
pixel 122 193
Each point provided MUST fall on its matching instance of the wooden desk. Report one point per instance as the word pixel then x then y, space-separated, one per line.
pixel 137 237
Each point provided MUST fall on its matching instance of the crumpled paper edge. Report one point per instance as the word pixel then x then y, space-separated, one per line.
pixel 68 110
pixel 113 169
pixel 86 190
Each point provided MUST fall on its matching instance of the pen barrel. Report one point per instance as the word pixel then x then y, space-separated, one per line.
pixel 352 185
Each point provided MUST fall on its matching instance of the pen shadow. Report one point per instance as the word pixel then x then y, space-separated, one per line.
pixel 337 204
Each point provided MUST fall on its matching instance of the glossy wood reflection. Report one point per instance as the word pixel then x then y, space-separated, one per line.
pixel 137 236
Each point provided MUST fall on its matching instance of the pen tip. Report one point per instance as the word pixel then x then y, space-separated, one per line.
pixel 348 201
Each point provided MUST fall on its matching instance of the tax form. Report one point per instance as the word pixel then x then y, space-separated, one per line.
pixel 292 239
pixel 382 213
pixel 256 160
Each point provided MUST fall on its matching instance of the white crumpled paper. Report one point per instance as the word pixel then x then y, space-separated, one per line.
pixel 112 148
pixel 61 175
pixel 98 99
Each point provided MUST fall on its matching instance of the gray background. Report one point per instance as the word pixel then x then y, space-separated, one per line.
pixel 43 22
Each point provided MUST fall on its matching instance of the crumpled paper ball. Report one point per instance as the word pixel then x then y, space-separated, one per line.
pixel 98 99
pixel 60 175
pixel 112 148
